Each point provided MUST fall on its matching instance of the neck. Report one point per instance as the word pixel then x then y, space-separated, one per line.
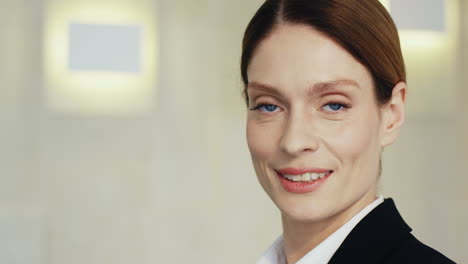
pixel 300 236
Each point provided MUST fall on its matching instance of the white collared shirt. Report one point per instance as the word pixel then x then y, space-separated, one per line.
pixel 322 253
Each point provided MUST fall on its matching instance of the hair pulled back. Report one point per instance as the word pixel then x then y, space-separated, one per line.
pixel 363 27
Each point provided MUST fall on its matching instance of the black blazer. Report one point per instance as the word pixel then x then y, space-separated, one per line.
pixel 383 237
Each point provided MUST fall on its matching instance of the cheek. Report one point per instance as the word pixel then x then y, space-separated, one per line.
pixel 262 149
pixel 260 140
pixel 356 142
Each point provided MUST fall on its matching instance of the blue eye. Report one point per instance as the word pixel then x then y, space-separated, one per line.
pixel 334 107
pixel 269 108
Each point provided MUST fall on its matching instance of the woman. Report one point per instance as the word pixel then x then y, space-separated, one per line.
pixel 325 86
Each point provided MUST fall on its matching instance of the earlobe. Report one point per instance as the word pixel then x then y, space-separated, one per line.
pixel 394 114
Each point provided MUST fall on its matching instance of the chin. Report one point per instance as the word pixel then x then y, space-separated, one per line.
pixel 304 210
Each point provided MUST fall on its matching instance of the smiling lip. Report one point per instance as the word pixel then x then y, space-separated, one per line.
pixel 294 171
pixel 302 187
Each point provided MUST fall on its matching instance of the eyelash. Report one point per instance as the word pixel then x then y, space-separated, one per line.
pixel 343 107
pixel 256 108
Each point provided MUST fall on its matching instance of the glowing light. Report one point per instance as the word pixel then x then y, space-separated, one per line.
pixel 386 3
pixel 431 58
pixel 422 39
pixel 97 92
pixel 431 39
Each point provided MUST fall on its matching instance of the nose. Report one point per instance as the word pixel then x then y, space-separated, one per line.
pixel 298 136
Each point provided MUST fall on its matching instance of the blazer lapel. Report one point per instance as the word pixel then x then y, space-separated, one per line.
pixel 374 237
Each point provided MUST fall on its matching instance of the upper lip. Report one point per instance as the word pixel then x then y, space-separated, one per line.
pixel 296 171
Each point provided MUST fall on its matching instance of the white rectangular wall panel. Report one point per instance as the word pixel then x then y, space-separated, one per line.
pixel 419 14
pixel 101 47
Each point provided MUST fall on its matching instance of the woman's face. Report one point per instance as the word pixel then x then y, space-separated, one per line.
pixel 313 114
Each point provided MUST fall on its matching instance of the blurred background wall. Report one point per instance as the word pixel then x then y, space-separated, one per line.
pixel 171 182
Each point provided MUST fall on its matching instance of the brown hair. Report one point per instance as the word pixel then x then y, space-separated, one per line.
pixel 363 27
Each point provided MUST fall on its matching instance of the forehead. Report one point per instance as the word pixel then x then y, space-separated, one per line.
pixel 298 56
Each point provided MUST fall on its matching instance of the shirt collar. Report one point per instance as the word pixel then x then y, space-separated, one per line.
pixel 325 250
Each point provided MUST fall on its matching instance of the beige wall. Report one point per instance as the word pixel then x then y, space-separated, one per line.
pixel 462 183
pixel 175 185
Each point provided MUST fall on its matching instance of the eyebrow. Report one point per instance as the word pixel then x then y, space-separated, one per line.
pixel 322 87
pixel 315 89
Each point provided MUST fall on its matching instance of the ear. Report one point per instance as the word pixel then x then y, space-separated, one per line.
pixel 393 115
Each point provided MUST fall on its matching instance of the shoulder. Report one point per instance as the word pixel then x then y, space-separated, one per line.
pixel 411 250
pixel 382 236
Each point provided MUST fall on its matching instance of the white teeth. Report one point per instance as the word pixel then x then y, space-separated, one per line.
pixel 293 178
pixel 315 176
pixel 306 177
